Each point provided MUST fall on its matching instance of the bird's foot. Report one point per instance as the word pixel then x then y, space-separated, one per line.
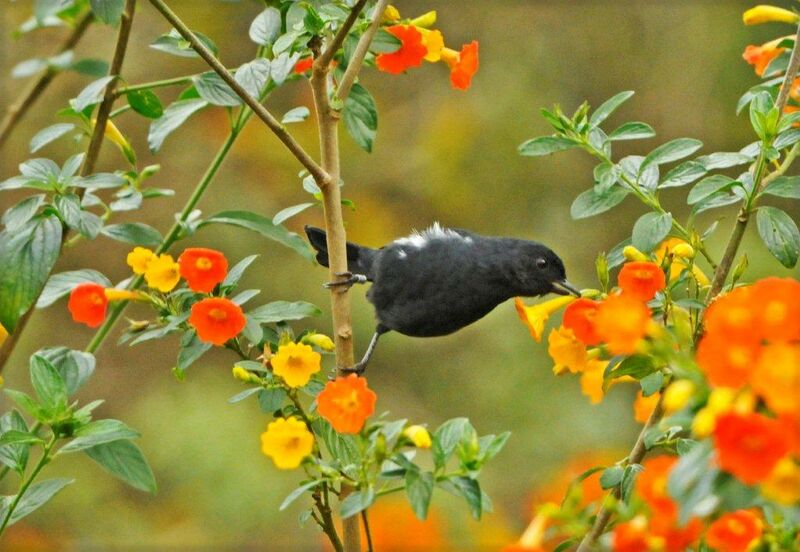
pixel 357 369
pixel 349 280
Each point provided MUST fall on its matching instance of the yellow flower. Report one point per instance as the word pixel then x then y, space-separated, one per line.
pixel 112 133
pixel 3 334
pixel 536 316
pixel 768 14
pixel 632 254
pixel 567 351
pixel 721 400
pixel 684 251
pixel 677 395
pixel 418 435
pixel 390 14
pixel 704 422
pixel 320 340
pixel 783 484
pixel 114 294
pixel 592 380
pixel 426 20
pixel 287 441
pixel 163 273
pixel 680 251
pixel 295 363
pixel 434 42
pixel 139 259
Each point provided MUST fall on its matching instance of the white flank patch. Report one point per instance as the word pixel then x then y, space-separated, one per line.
pixel 435 232
pixel 402 254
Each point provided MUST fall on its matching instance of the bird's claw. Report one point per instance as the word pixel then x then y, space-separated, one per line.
pixel 349 280
pixel 357 369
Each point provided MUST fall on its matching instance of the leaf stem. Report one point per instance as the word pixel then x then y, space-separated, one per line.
pixel 19 108
pixel 27 482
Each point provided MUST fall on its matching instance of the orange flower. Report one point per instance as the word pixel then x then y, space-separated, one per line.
pixel 621 322
pixel 652 487
pixel 791 427
pixel 641 280
pixel 777 377
pixel 346 403
pixel 644 406
pixel 760 56
pixel 87 304
pixel 778 302
pixel 679 539
pixel 217 320
pixel 410 53
pixel 749 445
pixel 303 65
pixel 727 363
pixel 579 317
pixel 203 268
pixel 463 65
pixel 734 316
pixel 631 536
pixel 734 531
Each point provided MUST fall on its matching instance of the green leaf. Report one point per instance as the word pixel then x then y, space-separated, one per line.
pixel 545 145
pixel 611 477
pixel 709 186
pixel 91 67
pixel 384 42
pixel 683 174
pixel 84 222
pixel 145 102
pixel 99 181
pixel 651 384
pixel 242 395
pixel 61 284
pixel 48 384
pixel 632 131
pixel 419 490
pixel 296 115
pixel 723 160
pixel 191 350
pixel 214 90
pixel 650 230
pixel 74 367
pixel 17 216
pixel 343 448
pixel 134 233
pixel 124 460
pixel 253 76
pixel 591 203
pixel 470 489
pixel 446 438
pixel 266 27
pixel 671 151
pixel 37 496
pixel 361 117
pixel 265 227
pixel 174 44
pixel 26 403
pixel 92 94
pixel 787 138
pixel 49 134
pixel 784 186
pixel 98 433
pixel 608 107
pixel 297 493
pixel 491 445
pixel 278 311
pixel 235 273
pixel 628 481
pixel 28 68
pixel 14 457
pixel 16 437
pixel 636 366
pixel 780 234
pixel 270 400
pixel 285 214
pixel 108 11
pixel 356 502
pixel 26 259
pixel 174 116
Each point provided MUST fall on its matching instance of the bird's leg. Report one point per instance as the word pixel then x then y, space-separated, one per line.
pixel 349 281
pixel 359 367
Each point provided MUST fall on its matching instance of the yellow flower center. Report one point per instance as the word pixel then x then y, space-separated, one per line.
pixel 217 314
pixel 96 299
pixel 203 263
pixel 737 527
pixel 348 402
pixel 775 312
pixel 642 274
pixel 293 443
pixel 738 316
pixel 738 356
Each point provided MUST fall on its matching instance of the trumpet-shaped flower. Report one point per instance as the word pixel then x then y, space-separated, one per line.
pixel 410 54
pixel 777 304
pixel 346 403
pixel 592 380
pixel 287 441
pixel 202 268
pixel 418 435
pixel 769 14
pixel 727 363
pixel 681 253
pixel 163 273
pixel 433 42
pixel 579 317
pixel 217 320
pixel 88 304
pixel 567 352
pixel 761 56
pixel 734 316
pixel 641 280
pixel 777 377
pixel 622 322
pixel 536 316
pixel 296 363
pixel 783 483
pixel 139 259
pixel 749 445
pixel 734 531
pixel 463 65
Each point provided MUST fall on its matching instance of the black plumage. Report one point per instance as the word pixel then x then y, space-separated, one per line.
pixel 436 282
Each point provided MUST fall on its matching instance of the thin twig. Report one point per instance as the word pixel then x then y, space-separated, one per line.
pixel 320 176
pixel 365 520
pixel 354 65
pixel 92 153
pixel 338 39
pixel 19 108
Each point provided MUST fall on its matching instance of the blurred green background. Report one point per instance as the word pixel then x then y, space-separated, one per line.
pixel 441 154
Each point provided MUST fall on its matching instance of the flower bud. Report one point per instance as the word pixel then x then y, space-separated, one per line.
pixel 390 14
pixel 418 435
pixel 677 395
pixel 114 294
pixel 632 254
pixel 738 271
pixel 426 20
pixel 684 251
pixel 704 422
pixel 136 326
pixel 769 14
pixel 601 265
pixel 319 340
pixel 244 376
pixel 112 133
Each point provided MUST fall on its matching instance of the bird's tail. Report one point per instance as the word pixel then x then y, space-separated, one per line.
pixel 359 258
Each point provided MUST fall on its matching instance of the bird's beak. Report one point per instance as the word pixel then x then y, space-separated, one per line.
pixel 563 287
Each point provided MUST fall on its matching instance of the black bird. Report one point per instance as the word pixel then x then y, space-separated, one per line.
pixel 438 281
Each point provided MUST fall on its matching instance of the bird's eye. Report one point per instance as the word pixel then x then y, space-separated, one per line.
pixel 541 263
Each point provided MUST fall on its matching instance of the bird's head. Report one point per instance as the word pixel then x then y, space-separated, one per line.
pixel 539 271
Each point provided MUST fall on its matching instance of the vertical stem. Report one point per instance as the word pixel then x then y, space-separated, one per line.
pixel 19 108
pixel 27 483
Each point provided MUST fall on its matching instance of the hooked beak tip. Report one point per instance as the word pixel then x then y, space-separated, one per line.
pixel 563 287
